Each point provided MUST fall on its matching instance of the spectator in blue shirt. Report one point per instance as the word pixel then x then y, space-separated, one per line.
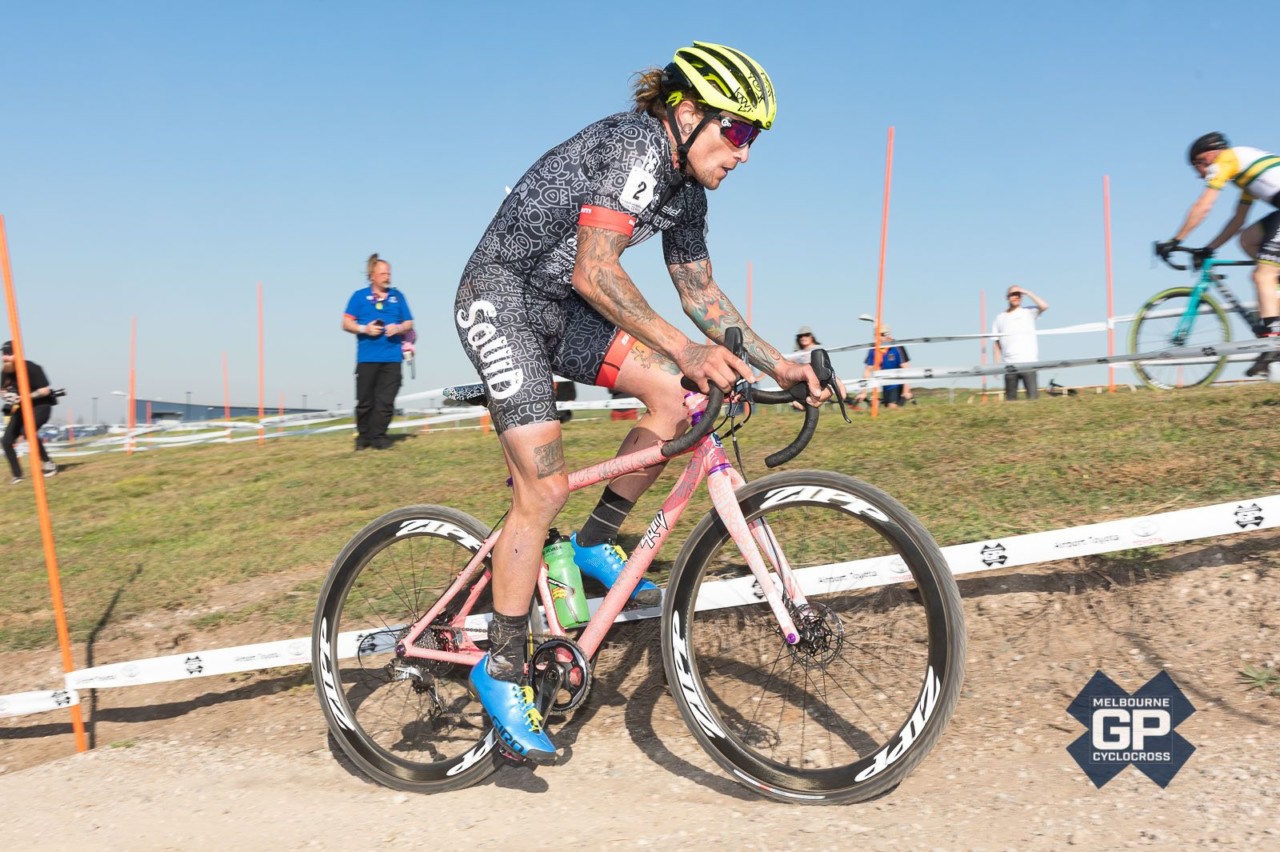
pixel 891 358
pixel 379 317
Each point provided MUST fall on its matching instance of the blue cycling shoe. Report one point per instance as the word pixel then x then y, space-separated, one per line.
pixel 515 716
pixel 604 562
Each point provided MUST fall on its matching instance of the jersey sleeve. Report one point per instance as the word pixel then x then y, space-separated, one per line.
pixel 353 306
pixel 406 314
pixel 622 173
pixel 686 240
pixel 36 376
pixel 1223 169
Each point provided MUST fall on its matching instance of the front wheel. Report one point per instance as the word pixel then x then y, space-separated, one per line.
pixel 848 711
pixel 407 723
pixel 1155 327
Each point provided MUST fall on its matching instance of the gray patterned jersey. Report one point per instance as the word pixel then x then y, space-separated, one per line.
pixel 620 163
pixel 516 311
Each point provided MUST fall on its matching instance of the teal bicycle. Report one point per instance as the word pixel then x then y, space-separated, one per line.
pixel 1188 316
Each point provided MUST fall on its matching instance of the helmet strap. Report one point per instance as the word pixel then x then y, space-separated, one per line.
pixel 683 145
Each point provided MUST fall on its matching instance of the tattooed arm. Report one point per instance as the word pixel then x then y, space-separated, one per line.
pixel 708 306
pixel 599 278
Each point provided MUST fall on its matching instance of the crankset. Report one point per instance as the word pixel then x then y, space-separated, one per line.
pixel 561 676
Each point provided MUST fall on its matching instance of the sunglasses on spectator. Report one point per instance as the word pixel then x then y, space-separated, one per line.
pixel 737 132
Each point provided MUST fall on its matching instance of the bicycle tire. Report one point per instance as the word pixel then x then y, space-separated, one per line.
pixel 405 724
pixel 830 720
pixel 1150 333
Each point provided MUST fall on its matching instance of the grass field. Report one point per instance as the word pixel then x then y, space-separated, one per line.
pixel 163 530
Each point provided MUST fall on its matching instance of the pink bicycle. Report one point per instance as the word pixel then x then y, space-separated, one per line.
pixel 812 633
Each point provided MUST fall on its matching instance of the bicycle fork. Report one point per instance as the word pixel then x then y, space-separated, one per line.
pixel 751 538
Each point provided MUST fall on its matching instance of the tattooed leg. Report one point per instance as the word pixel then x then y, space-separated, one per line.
pixel 655 380
pixel 539 488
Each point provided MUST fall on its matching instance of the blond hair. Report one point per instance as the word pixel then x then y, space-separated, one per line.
pixel 373 261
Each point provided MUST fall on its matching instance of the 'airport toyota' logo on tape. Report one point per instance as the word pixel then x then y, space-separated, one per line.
pixel 194 665
pixel 61 697
pixel 1247 516
pixel 994 554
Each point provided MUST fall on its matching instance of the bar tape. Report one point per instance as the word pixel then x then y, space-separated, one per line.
pixel 1006 552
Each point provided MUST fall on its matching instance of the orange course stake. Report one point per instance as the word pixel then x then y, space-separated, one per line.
pixel 884 239
pixel 262 371
pixel 982 329
pixel 1111 314
pixel 37 479
pixel 133 385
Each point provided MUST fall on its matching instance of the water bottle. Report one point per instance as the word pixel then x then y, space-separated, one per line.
pixel 565 580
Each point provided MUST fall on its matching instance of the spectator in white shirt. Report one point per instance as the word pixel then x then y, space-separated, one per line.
pixel 1015 331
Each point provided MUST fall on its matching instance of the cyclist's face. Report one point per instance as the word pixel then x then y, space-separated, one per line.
pixel 712 156
pixel 1204 161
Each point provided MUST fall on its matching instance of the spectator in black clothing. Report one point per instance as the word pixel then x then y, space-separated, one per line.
pixel 42 400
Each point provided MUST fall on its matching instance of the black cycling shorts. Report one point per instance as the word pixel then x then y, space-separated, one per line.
pixel 518 340
pixel 1270 251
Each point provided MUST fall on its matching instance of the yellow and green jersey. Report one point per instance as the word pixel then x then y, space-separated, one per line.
pixel 1255 171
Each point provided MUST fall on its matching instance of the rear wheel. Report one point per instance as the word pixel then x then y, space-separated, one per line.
pixel 1154 328
pixel 409 724
pixel 849 710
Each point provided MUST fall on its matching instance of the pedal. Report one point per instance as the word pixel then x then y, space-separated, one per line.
pixel 511 757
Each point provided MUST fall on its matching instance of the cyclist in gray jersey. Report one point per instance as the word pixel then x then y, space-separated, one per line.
pixel 545 293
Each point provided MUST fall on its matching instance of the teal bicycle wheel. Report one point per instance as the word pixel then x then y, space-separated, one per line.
pixel 1154 328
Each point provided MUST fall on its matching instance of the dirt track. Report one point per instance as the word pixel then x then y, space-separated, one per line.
pixel 244 761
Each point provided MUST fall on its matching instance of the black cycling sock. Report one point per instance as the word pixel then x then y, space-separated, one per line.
pixel 1270 327
pixel 508 637
pixel 604 522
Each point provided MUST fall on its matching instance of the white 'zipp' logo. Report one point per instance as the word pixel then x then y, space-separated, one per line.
pixel 427 525
pixel 472 757
pixel 501 376
pixel 818 494
pixel 924 709
pixel 327 682
pixel 684 674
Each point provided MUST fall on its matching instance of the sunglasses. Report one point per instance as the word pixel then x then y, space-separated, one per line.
pixel 737 132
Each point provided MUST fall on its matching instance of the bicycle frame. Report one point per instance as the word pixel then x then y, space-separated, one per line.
pixel 1206 280
pixel 708 461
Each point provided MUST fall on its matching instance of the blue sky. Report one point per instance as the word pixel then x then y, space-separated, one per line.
pixel 159 160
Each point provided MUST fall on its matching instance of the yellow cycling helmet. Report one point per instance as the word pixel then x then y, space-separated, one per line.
pixel 725 79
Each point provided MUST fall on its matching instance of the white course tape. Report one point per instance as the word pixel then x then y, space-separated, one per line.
pixel 23 703
pixel 1252 513
pixel 1183 354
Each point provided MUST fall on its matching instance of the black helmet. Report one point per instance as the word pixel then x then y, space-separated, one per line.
pixel 1208 142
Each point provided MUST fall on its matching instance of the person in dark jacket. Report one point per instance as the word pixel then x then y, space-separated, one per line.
pixel 42 401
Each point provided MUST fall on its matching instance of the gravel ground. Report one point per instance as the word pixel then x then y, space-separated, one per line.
pixel 244 761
